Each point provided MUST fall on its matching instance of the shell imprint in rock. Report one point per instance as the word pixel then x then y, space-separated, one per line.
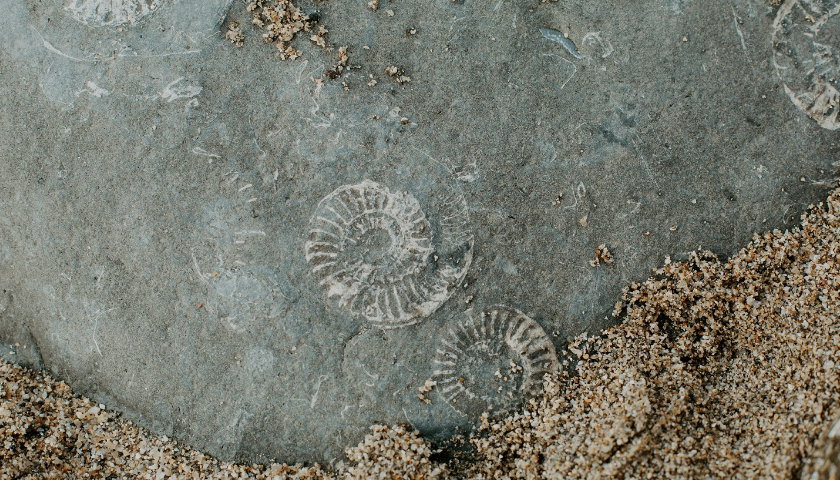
pixel 377 253
pixel 110 13
pixel 493 361
pixel 806 55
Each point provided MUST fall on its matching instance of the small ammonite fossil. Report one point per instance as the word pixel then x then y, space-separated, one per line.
pixel 110 13
pixel 375 251
pixel 806 44
pixel 493 361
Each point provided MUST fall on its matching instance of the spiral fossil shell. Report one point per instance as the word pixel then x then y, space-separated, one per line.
pixel 376 252
pixel 102 13
pixel 806 38
pixel 493 361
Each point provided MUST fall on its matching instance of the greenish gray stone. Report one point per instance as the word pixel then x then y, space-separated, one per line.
pixel 159 187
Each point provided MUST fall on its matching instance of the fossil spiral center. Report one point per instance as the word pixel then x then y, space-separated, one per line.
pixel 493 372
pixel 375 242
pixel 375 238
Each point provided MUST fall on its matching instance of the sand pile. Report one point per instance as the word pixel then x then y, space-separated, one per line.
pixel 721 369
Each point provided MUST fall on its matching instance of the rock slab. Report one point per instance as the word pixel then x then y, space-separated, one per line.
pixel 262 265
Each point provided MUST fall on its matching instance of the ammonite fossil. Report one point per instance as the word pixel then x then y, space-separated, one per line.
pixel 493 361
pixel 376 252
pixel 806 38
pixel 102 13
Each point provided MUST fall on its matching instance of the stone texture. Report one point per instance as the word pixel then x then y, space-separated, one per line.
pixel 159 186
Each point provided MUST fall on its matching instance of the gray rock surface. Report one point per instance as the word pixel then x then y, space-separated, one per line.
pixel 261 266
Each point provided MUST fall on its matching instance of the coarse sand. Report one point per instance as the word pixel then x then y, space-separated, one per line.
pixel 719 369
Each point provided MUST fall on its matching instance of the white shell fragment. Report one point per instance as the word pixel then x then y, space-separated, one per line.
pixel 806 43
pixel 377 253
pixel 493 361
pixel 110 13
